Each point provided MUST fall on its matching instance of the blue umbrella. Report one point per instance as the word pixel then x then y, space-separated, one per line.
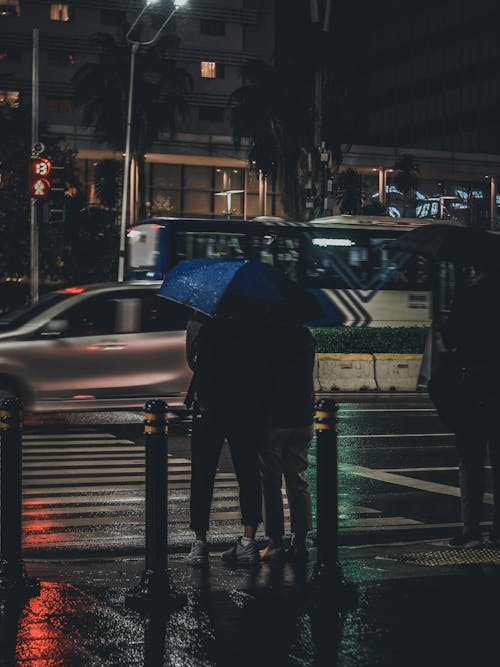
pixel 209 285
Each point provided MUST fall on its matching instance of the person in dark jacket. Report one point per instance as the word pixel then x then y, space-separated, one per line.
pixel 284 452
pixel 472 333
pixel 229 361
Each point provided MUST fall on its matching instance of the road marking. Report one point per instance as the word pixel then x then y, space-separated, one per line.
pixel 375 522
pixel 401 480
pixel 436 469
pixel 396 435
pixel 341 409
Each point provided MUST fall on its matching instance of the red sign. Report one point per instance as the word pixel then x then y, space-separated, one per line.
pixel 39 184
pixel 39 188
pixel 41 166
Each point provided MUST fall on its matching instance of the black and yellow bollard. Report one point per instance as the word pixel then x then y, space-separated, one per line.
pixel 327 578
pixel 155 590
pixel 14 582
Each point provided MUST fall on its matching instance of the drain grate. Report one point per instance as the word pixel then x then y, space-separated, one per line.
pixel 451 557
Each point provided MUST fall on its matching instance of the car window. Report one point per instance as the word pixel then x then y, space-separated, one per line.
pixel 95 316
pixel 159 314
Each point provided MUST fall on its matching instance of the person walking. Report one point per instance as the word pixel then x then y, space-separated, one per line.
pixel 228 359
pixel 472 333
pixel 284 452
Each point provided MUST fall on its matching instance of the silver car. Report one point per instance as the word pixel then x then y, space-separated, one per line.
pixel 112 345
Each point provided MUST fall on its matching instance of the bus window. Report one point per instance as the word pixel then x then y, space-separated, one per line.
pixel 196 245
pixel 361 259
pixel 280 251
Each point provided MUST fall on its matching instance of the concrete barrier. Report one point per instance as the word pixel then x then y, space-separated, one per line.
pixel 345 372
pixel 396 372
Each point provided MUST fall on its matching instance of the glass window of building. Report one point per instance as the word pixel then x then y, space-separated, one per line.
pixel 59 12
pixel 212 27
pixel 229 179
pixel 208 70
pixel 60 58
pixel 197 204
pixel 9 98
pixel 60 104
pixel 10 8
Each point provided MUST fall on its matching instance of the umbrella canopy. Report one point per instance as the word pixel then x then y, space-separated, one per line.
pixel 463 245
pixel 237 287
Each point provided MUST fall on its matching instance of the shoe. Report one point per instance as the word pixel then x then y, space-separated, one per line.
pixel 242 554
pixel 198 554
pixel 466 541
pixel 272 554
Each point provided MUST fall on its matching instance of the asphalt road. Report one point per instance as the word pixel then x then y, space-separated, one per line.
pixel 83 478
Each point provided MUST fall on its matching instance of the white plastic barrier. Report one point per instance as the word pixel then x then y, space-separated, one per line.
pixel 345 372
pixel 395 372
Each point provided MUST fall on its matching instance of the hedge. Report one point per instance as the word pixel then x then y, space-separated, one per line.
pixel 402 340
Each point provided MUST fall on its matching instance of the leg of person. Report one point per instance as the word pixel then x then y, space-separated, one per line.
pixel 271 469
pixel 471 449
pixel 244 444
pixel 206 444
pixel 494 449
pixel 295 461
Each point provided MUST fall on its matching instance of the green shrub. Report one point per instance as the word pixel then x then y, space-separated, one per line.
pixel 395 340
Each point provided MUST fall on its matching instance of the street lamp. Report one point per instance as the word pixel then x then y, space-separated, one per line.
pixel 135 43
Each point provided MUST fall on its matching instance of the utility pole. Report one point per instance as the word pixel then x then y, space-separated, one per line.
pixel 320 16
pixel 34 268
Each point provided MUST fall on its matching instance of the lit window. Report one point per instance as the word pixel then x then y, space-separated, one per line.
pixel 10 8
pixel 60 104
pixel 9 98
pixel 208 70
pixel 60 58
pixel 59 12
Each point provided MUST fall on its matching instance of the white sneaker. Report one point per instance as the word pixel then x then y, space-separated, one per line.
pixel 242 554
pixel 199 553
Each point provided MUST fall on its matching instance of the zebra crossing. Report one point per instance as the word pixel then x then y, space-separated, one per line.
pixel 85 490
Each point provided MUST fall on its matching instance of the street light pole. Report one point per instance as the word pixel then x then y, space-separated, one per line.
pixel 135 43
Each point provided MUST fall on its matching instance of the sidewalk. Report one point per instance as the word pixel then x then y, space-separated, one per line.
pixel 406 614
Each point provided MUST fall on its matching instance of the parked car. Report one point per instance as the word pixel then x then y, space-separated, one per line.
pixel 112 345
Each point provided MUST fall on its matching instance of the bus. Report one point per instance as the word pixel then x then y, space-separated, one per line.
pixel 345 260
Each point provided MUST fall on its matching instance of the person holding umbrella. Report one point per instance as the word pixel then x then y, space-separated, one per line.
pixel 231 355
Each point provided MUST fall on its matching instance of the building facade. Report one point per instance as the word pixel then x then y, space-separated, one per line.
pixel 184 174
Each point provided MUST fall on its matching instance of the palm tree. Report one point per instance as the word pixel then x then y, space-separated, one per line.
pixel 272 118
pixel 406 178
pixel 159 94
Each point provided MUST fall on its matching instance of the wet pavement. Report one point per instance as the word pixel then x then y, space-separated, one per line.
pixel 403 615
pixel 84 537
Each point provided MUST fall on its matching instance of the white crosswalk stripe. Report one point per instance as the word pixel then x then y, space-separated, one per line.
pixel 79 483
pixel 89 487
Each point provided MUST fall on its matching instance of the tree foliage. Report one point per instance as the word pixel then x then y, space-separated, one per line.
pixel 159 90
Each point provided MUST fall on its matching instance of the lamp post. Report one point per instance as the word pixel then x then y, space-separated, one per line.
pixel 135 43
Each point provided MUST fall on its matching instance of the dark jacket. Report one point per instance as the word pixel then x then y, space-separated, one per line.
pixel 473 325
pixel 230 361
pixel 291 390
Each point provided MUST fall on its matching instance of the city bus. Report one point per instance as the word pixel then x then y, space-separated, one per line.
pixel 345 260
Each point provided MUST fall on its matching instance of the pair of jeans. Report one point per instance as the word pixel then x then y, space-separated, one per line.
pixel 208 436
pixel 284 454
pixel 472 448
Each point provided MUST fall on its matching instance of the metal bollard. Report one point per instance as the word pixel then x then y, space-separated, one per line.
pixel 14 582
pixel 155 588
pixel 327 575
